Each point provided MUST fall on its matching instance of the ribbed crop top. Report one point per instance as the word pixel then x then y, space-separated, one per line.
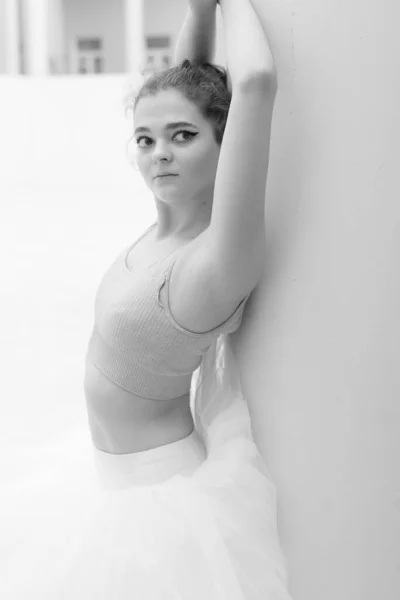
pixel 136 342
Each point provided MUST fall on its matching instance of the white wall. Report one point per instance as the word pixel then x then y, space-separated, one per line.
pixel 320 344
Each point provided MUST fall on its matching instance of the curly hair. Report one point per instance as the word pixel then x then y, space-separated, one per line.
pixel 206 85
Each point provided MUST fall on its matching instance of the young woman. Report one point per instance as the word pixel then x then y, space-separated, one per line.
pixel 170 499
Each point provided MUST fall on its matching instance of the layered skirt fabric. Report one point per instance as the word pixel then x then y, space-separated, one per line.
pixel 191 520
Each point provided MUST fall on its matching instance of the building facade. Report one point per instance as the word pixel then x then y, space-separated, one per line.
pixel 60 37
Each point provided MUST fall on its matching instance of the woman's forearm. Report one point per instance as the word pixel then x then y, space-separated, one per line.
pixel 246 45
pixel 196 40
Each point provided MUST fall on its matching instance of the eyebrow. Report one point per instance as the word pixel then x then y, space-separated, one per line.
pixel 169 126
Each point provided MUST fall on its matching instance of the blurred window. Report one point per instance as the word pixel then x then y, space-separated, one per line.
pixel 90 44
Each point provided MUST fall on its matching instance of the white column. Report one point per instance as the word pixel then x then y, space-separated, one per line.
pixel 134 36
pixel 11 37
pixel 37 39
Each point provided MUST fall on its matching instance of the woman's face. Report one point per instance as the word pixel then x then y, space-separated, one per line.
pixel 189 152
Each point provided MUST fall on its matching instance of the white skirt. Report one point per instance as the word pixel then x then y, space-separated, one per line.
pixel 191 520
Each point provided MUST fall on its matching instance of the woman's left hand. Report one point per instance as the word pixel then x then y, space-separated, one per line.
pixel 202 6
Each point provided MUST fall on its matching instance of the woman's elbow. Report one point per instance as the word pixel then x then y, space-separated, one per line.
pixel 265 80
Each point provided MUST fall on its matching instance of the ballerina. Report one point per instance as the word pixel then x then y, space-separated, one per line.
pixel 169 497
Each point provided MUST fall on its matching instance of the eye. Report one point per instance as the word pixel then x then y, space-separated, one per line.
pixel 189 133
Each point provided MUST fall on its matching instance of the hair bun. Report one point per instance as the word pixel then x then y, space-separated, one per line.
pixel 219 71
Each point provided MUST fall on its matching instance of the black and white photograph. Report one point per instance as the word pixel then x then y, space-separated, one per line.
pixel 200 297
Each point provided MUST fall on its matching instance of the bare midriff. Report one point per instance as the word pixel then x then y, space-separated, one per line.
pixel 121 422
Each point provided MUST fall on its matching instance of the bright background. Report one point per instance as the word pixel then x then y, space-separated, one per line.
pixel 319 345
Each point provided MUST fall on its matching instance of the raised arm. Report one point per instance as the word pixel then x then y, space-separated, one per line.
pixel 196 40
pixel 247 49
pixel 235 247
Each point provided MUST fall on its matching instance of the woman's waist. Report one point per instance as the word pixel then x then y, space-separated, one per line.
pixel 117 437
pixel 150 465
pixel 111 400
pixel 120 419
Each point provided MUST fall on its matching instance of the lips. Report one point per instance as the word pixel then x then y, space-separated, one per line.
pixel 166 175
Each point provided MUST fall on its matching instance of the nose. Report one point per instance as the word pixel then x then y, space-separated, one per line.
pixel 161 151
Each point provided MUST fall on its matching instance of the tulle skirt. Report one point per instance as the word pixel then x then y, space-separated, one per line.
pixel 191 520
